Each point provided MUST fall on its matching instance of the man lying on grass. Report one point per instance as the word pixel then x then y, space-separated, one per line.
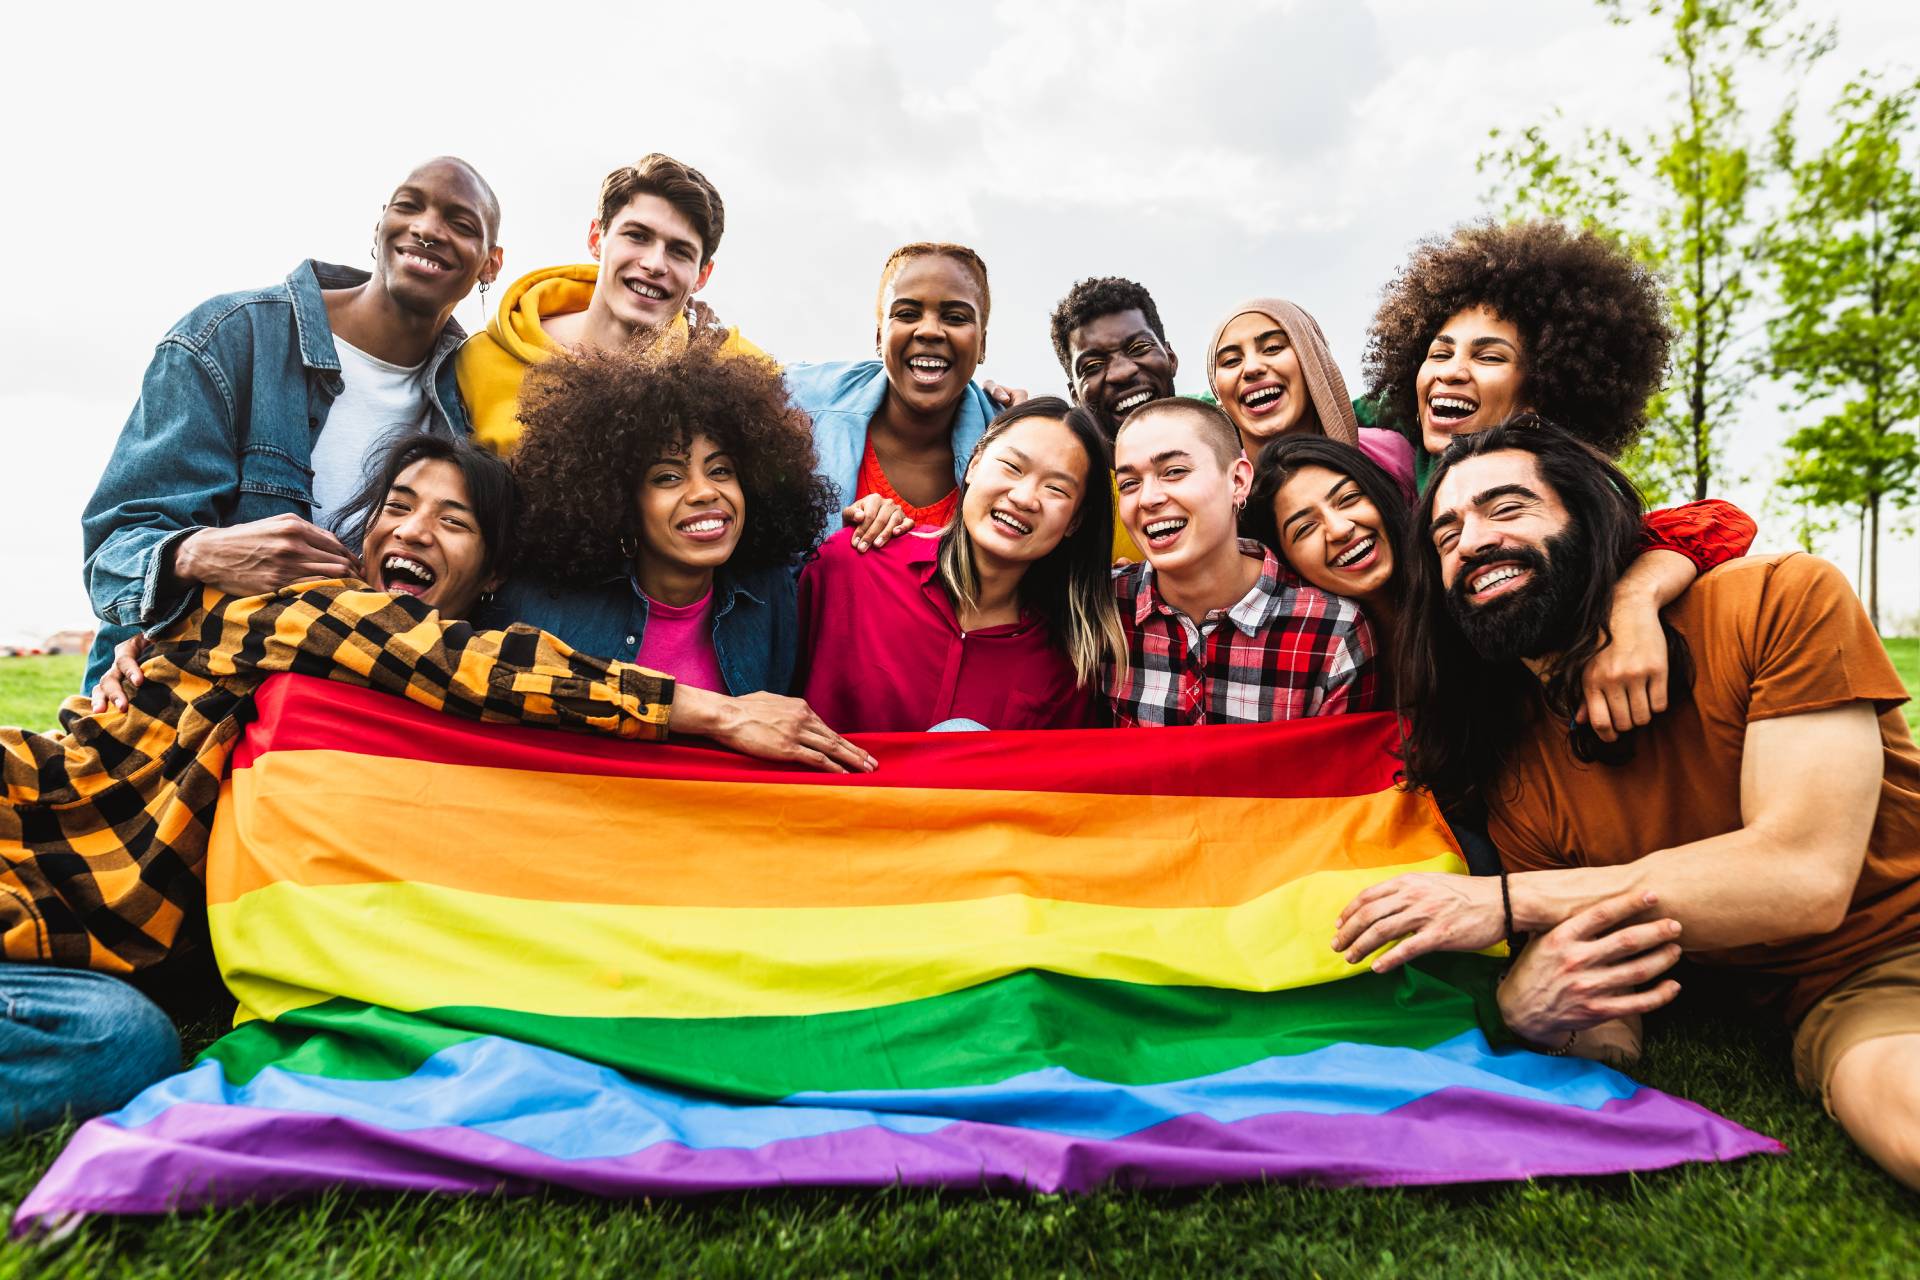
pixel 103 828
pixel 1768 820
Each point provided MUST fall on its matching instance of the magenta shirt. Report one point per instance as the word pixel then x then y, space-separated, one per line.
pixel 882 651
pixel 679 641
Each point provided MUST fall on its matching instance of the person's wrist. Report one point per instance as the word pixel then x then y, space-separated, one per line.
pixel 185 564
pixel 1532 1033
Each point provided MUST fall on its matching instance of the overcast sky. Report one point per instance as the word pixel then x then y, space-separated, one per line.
pixel 164 154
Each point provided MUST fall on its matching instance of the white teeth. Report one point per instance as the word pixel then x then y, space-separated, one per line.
pixel 1018 526
pixel 1161 527
pixel 1261 396
pixel 647 290
pixel 1133 402
pixel 708 524
pixel 928 362
pixel 428 263
pixel 407 565
pixel 1453 402
pixel 1354 553
pixel 1495 577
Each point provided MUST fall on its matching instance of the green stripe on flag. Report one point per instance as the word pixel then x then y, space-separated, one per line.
pixel 1115 1031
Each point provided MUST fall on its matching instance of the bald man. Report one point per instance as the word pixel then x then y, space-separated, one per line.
pixel 259 410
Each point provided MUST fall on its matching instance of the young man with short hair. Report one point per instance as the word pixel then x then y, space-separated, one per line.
pixel 1767 821
pixel 1219 631
pixel 652 239
pixel 1109 340
pixel 259 408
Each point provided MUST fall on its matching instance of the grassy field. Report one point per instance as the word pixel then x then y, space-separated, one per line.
pixel 31 689
pixel 1821 1210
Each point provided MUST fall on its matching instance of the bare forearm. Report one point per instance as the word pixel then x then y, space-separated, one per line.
pixel 1655 579
pixel 1730 890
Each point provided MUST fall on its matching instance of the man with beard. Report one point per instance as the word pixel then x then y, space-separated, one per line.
pixel 1110 342
pixel 1768 821
pixel 259 410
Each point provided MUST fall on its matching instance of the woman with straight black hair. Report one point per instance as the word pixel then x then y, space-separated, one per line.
pixel 999 620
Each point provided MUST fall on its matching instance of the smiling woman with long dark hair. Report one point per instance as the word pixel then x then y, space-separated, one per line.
pixel 1001 619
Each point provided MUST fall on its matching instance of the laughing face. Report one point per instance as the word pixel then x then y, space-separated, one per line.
pixel 1510 557
pixel 1332 534
pixel 1472 379
pixel 425 542
pixel 1119 364
pixel 691 512
pixel 931 338
pixel 1023 491
pixel 432 243
pixel 650 264
pixel 1177 498
pixel 1256 375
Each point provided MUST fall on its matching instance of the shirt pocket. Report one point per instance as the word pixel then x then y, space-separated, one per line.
pixel 270 471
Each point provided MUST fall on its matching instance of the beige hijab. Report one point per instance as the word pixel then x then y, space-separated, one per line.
pixel 1325 387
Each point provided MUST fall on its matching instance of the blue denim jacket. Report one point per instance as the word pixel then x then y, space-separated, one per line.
pixel 756 625
pixel 222 434
pixel 842 396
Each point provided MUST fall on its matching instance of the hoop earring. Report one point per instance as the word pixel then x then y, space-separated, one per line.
pixel 484 286
pixel 628 547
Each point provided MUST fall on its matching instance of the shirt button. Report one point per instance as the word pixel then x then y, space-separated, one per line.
pixel 630 640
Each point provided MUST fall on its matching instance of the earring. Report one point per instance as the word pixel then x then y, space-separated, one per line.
pixel 628 547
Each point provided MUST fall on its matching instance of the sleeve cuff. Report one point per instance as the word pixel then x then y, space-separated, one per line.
pixel 164 599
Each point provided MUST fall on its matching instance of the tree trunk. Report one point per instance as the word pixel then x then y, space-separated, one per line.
pixel 1873 571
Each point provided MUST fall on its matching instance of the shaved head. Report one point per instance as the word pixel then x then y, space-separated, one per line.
pixel 1221 437
pixel 483 190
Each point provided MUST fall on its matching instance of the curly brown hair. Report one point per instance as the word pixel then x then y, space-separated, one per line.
pixel 596 420
pixel 1592 321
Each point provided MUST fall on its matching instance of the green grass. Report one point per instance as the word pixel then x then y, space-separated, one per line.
pixel 31 689
pixel 1821 1210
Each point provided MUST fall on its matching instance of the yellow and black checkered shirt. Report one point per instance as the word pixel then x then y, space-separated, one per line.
pixel 103 833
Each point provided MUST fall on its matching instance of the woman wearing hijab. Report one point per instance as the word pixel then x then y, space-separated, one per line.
pixel 1269 367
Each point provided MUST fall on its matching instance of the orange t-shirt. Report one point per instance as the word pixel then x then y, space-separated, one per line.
pixel 1770 636
pixel 872 479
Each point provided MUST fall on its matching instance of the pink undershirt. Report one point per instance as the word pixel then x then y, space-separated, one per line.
pixel 679 641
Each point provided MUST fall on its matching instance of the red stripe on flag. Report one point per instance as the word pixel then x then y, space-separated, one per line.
pixel 1331 756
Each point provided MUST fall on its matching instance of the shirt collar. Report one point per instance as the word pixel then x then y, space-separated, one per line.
pixel 1250 615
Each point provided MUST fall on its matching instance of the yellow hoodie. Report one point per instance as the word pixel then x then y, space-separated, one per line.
pixel 492 365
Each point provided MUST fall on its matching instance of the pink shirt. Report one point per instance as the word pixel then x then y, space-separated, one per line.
pixel 882 651
pixel 679 641
pixel 1394 453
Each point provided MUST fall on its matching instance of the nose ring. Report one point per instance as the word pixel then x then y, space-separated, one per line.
pixel 423 241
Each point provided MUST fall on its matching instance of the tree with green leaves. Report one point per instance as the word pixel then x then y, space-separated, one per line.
pixel 1846 261
pixel 1699 177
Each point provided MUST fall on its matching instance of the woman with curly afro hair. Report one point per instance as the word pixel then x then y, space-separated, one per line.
pixel 1503 318
pixel 667 503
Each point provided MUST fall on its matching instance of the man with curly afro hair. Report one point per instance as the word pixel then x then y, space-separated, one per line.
pixel 667 500
pixel 1503 318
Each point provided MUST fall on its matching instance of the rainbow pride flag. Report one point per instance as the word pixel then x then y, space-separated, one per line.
pixel 474 959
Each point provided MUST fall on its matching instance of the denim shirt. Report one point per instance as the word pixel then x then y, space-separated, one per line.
pixel 842 397
pixel 222 434
pixel 756 627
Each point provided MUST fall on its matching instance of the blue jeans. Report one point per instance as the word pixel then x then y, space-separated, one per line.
pixel 75 1041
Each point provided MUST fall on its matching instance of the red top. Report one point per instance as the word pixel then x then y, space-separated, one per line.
pixel 1709 532
pixel 881 650
pixel 873 480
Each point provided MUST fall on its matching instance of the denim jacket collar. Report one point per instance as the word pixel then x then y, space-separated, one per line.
pixel 314 334
pixel 724 591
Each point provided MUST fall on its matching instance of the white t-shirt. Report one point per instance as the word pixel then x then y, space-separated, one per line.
pixel 379 402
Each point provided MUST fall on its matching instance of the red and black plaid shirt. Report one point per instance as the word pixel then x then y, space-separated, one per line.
pixel 1286 650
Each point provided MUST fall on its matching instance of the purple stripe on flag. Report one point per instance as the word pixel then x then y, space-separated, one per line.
pixel 195 1155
